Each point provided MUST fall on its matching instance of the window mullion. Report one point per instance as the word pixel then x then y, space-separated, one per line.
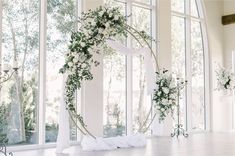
pixel 42 72
pixel 1 10
pixel 129 102
pixel 188 69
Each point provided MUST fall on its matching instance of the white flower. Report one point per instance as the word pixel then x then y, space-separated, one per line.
pixel 164 101
pixel 172 96
pixel 82 44
pixel 107 25
pixel 74 69
pixel 76 56
pixel 89 50
pixel 101 13
pixel 162 109
pixel 116 17
pixel 110 15
pixel 75 59
pixel 74 53
pixel 165 90
pixel 93 23
pixel 159 93
pixel 70 64
pixel 100 31
pixel 83 65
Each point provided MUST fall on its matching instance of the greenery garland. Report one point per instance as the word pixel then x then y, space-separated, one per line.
pixel 96 27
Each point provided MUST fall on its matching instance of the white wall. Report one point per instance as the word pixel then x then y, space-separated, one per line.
pixel 221 43
pixel 229 46
pixel 229 33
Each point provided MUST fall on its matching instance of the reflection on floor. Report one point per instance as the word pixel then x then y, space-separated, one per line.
pixel 206 144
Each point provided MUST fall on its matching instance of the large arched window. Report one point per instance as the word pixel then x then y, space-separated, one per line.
pixel 126 102
pixel 36 34
pixel 189 60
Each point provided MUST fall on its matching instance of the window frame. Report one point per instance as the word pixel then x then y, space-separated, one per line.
pixel 203 26
pixel 42 52
pixel 152 7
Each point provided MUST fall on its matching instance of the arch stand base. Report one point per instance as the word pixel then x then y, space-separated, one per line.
pixel 3 150
pixel 179 131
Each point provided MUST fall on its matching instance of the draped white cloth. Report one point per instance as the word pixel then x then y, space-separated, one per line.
pixel 63 137
pixel 148 62
pixel 88 143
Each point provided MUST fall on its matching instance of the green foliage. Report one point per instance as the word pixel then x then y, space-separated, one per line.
pixel 4 111
pixel 167 93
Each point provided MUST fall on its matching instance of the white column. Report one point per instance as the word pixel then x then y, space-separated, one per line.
pixel 92 108
pixel 164 57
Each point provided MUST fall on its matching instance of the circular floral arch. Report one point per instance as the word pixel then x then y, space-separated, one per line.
pixel 96 27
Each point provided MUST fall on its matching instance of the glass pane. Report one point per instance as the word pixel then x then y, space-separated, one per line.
pixel 61 17
pixel 178 5
pixel 18 108
pixel 143 1
pixel 197 68
pixel 194 8
pixel 114 94
pixel 114 85
pixel 178 57
pixel 141 19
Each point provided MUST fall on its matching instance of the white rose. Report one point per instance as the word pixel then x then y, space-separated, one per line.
pixel 70 64
pixel 74 69
pixel 100 31
pixel 82 44
pixel 116 17
pixel 164 101
pixel 93 23
pixel 74 53
pixel 110 15
pixel 101 13
pixel 83 65
pixel 76 56
pixel 107 25
pixel 89 49
pixel 159 93
pixel 75 60
pixel 165 90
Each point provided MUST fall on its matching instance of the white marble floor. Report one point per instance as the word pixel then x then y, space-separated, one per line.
pixel 206 144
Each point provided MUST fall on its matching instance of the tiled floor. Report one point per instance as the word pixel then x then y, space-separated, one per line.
pixel 207 144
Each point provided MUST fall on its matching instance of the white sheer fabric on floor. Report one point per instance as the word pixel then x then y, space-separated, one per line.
pixel 90 144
